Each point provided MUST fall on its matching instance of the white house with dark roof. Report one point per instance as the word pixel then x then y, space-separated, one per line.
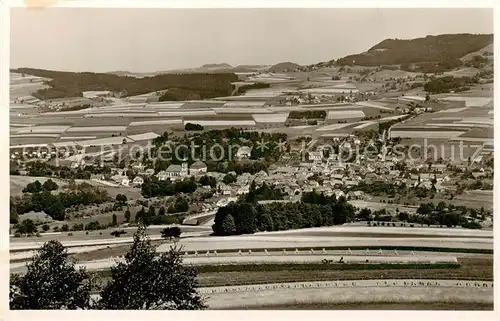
pixel 244 152
pixel 138 181
pixel 315 156
pixel 125 181
pixel 175 171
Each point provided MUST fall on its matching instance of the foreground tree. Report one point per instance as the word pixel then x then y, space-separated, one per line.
pixel 145 281
pixel 51 282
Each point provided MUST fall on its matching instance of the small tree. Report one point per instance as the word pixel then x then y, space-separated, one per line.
pixel 121 199
pixel 171 232
pixel 152 211
pixel 50 283
pixel 229 178
pixel 50 185
pixel 140 215
pixel 114 221
pixel 118 233
pixel 127 216
pixel 26 227
pixel 161 211
pixel 146 282
pixel 45 227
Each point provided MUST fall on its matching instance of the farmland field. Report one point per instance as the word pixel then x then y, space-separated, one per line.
pixel 462 306
pixel 341 294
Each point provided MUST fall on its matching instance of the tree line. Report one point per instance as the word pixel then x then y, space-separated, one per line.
pixel 308 114
pixel 43 169
pixel 37 187
pixel 243 89
pixel 55 205
pixel 449 83
pixel 313 210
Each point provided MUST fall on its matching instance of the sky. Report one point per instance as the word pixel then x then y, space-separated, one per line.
pixel 147 40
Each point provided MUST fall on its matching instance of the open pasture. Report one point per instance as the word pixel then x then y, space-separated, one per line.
pixel 356 230
pixel 344 114
pixel 345 292
pixel 241 110
pixel 378 206
pixel 463 72
pixel 239 104
pixel 221 123
pixel 273 118
pixel 330 90
pixel 275 259
pixel 287 241
pixel 470 101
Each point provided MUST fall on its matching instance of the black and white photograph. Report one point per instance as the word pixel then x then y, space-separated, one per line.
pixel 250 158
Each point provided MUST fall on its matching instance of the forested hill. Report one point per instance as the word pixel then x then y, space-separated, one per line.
pixel 448 47
pixel 189 86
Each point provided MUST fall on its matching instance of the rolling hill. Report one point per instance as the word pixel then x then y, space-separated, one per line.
pixel 217 66
pixel 449 48
pixel 186 86
pixel 284 66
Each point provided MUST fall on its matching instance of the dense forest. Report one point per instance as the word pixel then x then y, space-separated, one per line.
pixel 449 83
pixel 441 49
pixel 313 210
pixel 180 86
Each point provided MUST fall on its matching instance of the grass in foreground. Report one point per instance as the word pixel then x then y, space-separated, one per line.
pixel 462 306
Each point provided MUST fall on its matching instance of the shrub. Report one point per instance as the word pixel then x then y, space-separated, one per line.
pixel 118 233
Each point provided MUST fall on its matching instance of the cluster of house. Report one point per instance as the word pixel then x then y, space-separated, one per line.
pixel 294 180
pixel 173 172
